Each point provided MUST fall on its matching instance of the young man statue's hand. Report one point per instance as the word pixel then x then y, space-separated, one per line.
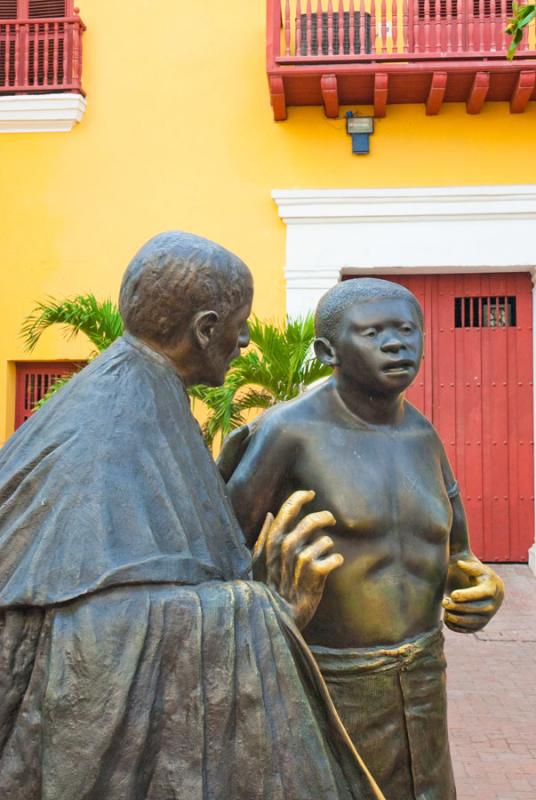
pixel 296 559
pixel 476 594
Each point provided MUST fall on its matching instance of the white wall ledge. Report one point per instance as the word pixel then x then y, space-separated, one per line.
pixel 453 229
pixel 297 205
pixel 40 113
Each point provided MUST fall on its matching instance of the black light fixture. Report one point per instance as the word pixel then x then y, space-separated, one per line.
pixel 360 129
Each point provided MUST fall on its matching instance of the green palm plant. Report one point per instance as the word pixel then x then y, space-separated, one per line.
pixel 278 367
pixel 522 17
pixel 100 321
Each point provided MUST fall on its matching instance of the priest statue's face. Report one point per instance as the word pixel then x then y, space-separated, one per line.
pixel 229 336
pixel 189 299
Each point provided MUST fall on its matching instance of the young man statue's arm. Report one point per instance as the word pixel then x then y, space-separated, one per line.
pixel 474 591
pixel 292 553
pixel 253 463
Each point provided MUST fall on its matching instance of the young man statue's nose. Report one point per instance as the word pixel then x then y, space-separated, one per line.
pixel 392 344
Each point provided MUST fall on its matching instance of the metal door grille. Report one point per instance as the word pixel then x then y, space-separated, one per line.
pixel 33 382
pixel 485 312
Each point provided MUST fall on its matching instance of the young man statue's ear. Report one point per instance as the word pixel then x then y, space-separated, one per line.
pixel 203 325
pixel 325 352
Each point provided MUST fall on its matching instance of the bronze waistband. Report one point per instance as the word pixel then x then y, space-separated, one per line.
pixel 370 659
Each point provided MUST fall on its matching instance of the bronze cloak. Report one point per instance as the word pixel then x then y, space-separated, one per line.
pixel 138 660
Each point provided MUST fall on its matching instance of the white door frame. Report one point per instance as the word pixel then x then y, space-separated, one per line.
pixel 335 232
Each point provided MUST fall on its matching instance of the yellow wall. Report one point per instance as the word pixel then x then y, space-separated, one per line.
pixel 179 134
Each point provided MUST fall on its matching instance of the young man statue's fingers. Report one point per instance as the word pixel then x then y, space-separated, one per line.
pixel 474 607
pixel 469 622
pixel 482 591
pixel 473 568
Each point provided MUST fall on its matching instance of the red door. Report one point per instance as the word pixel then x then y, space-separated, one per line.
pixel 476 387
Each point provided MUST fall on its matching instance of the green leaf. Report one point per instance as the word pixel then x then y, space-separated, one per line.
pixel 522 16
pixel 99 321
pixel 278 366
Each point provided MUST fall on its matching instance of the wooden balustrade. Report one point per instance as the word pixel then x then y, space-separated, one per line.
pixel 378 52
pixel 43 55
pixel 342 30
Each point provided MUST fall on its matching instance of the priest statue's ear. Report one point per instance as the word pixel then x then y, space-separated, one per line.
pixel 203 325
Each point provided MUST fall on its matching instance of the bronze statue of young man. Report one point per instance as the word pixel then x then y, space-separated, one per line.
pixel 378 465
pixel 138 659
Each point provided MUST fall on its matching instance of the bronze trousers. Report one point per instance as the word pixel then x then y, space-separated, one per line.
pixel 393 704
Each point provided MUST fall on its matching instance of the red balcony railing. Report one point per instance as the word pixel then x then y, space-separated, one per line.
pixel 406 51
pixel 41 55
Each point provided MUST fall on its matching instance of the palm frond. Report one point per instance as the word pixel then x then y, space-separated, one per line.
pixel 255 399
pixel 100 321
pixel 522 16
pixel 279 365
pixel 224 412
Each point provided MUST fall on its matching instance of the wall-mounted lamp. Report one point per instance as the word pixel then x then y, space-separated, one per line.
pixel 360 129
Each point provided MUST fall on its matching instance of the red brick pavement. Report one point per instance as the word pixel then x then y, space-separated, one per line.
pixel 492 698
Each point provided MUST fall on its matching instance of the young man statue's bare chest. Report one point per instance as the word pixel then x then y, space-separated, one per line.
pixel 387 492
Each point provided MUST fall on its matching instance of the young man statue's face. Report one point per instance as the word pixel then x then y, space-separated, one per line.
pixel 379 345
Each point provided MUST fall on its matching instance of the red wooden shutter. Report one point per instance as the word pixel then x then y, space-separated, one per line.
pixel 439 8
pixel 48 8
pixel 8 12
pixel 33 382
pixel 8 9
pixel 50 40
pixel 482 8
pixel 13 9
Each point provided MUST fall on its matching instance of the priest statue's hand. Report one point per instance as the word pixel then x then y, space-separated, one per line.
pixel 295 558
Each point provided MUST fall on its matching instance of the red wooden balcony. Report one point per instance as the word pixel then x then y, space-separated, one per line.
pixel 41 54
pixel 375 52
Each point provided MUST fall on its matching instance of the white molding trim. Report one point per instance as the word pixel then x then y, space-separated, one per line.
pixel 332 232
pixel 453 229
pixel 40 113
pixel 451 201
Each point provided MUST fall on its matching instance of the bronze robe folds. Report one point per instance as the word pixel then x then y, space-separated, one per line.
pixel 138 660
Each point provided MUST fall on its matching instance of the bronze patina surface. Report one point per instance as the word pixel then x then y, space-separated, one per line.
pixel 138 658
pixel 378 465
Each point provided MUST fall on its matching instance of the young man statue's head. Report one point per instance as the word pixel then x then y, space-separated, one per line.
pixel 189 299
pixel 370 331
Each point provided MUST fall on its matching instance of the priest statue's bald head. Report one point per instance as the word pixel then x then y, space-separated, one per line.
pixel 189 299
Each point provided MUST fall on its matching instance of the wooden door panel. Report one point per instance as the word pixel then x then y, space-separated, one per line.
pixel 476 387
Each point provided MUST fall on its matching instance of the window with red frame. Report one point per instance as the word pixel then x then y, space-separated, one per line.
pixel 33 381
pixel 35 9
pixel 38 51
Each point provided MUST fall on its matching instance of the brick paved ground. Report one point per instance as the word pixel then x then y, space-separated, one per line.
pixel 492 698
